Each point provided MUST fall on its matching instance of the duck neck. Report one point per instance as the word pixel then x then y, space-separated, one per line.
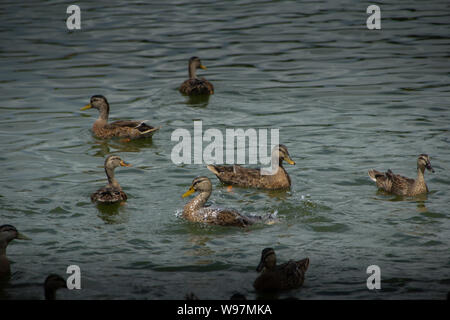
pixel 111 180
pixel 269 267
pixel 277 169
pixel 3 245
pixel 192 71
pixel 103 113
pixel 420 174
pixel 198 202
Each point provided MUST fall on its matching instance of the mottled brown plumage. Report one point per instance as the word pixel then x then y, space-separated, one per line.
pixel 195 86
pixel 244 177
pixel 289 275
pixel 127 129
pixel 195 211
pixel 403 186
pixel 7 234
pixel 112 192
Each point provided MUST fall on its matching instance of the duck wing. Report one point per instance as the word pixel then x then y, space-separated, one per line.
pixel 270 281
pixel 224 217
pixel 294 272
pixel 288 275
pixel 140 125
pixel 196 87
pixel 399 184
pixel 131 128
pixel 236 175
pixel 108 195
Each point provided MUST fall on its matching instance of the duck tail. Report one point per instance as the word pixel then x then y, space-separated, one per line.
pixel 152 130
pixel 212 169
pixel 270 218
pixel 372 174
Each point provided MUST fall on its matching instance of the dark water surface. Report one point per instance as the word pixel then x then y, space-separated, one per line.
pixel 345 98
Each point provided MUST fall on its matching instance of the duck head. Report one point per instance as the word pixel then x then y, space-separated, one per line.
pixel 199 184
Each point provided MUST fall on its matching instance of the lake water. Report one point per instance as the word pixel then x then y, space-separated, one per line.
pixel 345 99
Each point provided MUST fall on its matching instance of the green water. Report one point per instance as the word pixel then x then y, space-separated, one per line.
pixel 345 99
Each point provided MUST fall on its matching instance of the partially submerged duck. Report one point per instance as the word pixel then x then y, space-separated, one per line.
pixel 193 85
pixel 195 211
pixel 7 234
pixel 126 129
pixel 245 177
pixel 112 192
pixel 403 186
pixel 289 275
pixel 52 283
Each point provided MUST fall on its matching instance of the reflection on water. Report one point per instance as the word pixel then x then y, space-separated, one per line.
pixel 420 199
pixel 200 250
pixel 113 213
pixel 198 101
pixel 421 207
pixel 104 148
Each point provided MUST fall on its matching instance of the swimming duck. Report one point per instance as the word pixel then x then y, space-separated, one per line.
pixel 126 129
pixel 52 283
pixel 7 234
pixel 289 275
pixel 112 192
pixel 399 185
pixel 194 85
pixel 244 177
pixel 195 211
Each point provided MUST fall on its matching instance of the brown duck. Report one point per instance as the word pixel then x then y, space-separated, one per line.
pixel 126 129
pixel 289 275
pixel 112 192
pixel 7 234
pixel 52 283
pixel 195 211
pixel 245 177
pixel 399 185
pixel 195 86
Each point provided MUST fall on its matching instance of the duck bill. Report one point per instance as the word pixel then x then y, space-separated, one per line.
pixel 260 266
pixel 429 167
pixel 290 161
pixel 189 192
pixel 125 164
pixel 203 67
pixel 21 236
pixel 88 106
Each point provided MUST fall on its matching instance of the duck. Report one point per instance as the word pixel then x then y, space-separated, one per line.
pixel 112 192
pixel 52 283
pixel 403 186
pixel 246 177
pixel 289 275
pixel 125 129
pixel 195 86
pixel 195 210
pixel 7 234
